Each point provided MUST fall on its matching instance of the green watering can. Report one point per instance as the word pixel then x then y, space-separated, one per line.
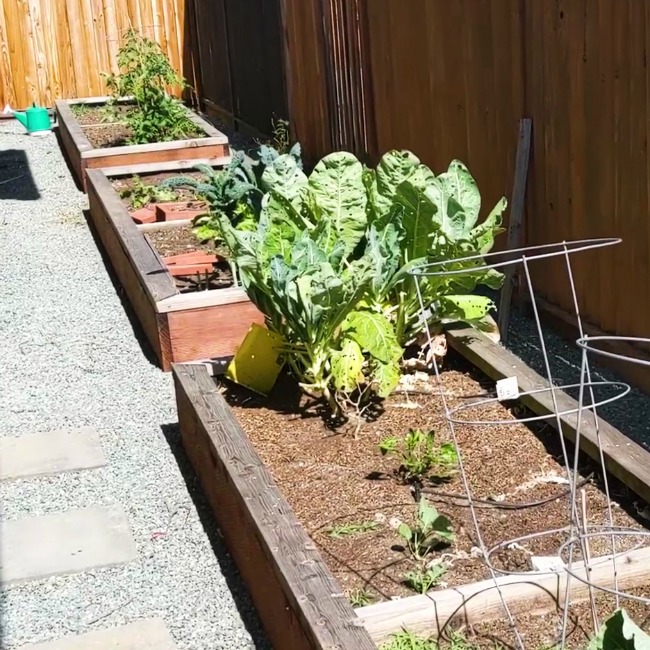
pixel 34 119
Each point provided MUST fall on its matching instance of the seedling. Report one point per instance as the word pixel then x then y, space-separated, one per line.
pixel 351 528
pixel 419 454
pixel 424 578
pixel 429 530
pixel 360 597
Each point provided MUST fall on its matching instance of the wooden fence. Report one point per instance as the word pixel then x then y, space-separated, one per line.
pixel 451 80
pixel 51 49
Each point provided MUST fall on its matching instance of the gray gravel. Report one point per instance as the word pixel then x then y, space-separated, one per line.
pixel 630 414
pixel 69 357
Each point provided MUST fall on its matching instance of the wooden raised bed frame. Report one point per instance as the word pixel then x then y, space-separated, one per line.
pixel 298 599
pixel 180 327
pixel 139 158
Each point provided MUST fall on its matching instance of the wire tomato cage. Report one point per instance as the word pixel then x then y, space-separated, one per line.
pixel 573 542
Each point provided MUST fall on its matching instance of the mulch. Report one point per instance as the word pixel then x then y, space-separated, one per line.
pixel 330 477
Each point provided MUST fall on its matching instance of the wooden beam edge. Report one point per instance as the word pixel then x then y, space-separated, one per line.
pixel 194 380
pixel 478 602
pixel 624 458
pixel 106 195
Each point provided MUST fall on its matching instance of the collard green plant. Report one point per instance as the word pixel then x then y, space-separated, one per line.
pixel 145 74
pixel 329 262
pixel 419 454
pixel 619 632
pixel 429 530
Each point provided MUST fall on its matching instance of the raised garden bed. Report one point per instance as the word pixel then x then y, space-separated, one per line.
pixel 91 143
pixel 186 315
pixel 306 510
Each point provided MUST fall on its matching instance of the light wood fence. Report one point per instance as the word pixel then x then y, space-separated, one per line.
pixel 52 49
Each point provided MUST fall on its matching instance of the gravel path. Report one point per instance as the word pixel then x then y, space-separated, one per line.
pixel 70 358
pixel 630 414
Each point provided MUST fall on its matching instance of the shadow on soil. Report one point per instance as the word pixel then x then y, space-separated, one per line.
pixel 16 180
pixel 228 569
pixel 138 332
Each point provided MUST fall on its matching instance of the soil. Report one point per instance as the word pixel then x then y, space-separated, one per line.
pixel 105 130
pixel 330 478
pixel 175 241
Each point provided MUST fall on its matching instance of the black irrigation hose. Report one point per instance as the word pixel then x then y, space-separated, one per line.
pixel 501 505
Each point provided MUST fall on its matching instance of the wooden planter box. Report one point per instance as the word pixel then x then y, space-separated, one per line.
pixel 139 158
pixel 298 599
pixel 180 327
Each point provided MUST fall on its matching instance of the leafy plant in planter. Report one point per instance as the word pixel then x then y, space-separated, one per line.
pixel 619 632
pixel 330 261
pixel 141 194
pixel 145 74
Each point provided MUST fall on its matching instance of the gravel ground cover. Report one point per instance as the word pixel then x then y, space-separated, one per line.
pixel 630 414
pixel 70 358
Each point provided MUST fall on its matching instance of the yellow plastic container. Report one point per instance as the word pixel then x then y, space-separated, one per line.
pixel 256 363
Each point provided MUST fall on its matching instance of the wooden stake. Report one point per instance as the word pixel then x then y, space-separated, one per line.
pixel 515 223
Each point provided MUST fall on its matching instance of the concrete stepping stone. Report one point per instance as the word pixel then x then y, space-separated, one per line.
pixel 43 454
pixel 68 542
pixel 146 634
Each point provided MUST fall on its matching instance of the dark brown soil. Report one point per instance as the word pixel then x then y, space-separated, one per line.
pixel 106 129
pixel 175 241
pixel 102 128
pixel 330 478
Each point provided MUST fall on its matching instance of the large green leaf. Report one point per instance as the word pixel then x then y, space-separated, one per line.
pixel 465 308
pixel 619 632
pixel 374 333
pixel 449 216
pixel 483 235
pixel 383 250
pixel 385 377
pixel 346 366
pixel 418 219
pixel 285 176
pixel 461 187
pixel 338 188
pixel 393 169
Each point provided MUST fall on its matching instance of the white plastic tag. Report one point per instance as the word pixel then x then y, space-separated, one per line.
pixel 507 388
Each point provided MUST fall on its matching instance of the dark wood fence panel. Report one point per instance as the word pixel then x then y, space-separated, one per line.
pixel 448 81
pixel 256 62
pixel 213 54
pixel 587 91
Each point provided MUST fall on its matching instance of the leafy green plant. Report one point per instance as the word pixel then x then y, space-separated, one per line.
pixel 330 263
pixel 351 528
pixel 360 597
pixel 140 194
pixel 423 578
pixel 145 74
pixel 429 530
pixel 619 632
pixel 419 454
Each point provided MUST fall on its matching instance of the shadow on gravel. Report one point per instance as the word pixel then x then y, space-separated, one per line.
pixel 228 569
pixel 16 180
pixel 138 332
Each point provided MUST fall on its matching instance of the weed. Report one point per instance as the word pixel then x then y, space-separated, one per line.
pixel 419 454
pixel 141 194
pixel 360 597
pixel 408 641
pixel 351 528
pixel 281 135
pixel 423 578
pixel 145 74
pixel 429 530
pixel 80 110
